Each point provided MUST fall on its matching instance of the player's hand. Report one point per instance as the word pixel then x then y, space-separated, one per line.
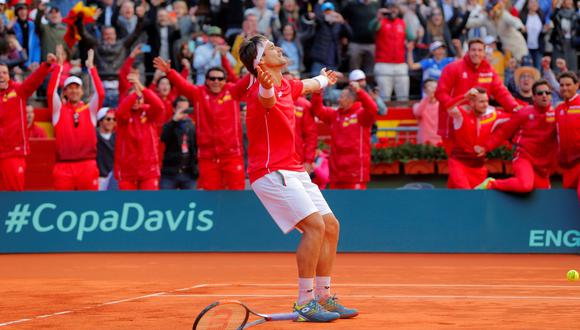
pixel 90 62
pixel 179 115
pixel 136 51
pixel 355 86
pixel 51 58
pixel 479 151
pixel 265 78
pixel 224 49
pixel 331 75
pixel 471 93
pixel 185 63
pixel 162 65
pixel 546 62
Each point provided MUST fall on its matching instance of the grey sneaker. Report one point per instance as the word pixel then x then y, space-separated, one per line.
pixel 313 312
pixel 331 305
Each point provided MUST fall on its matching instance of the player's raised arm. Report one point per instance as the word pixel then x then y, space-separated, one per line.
pixel 325 78
pixel 266 93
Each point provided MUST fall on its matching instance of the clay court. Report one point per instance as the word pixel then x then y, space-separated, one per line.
pixel 392 291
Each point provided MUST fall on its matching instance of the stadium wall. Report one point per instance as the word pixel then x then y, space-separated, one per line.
pixel 378 220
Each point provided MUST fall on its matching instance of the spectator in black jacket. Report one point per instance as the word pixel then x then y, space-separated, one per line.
pixel 106 147
pixel 329 31
pixel 179 169
pixel 361 49
pixel 162 34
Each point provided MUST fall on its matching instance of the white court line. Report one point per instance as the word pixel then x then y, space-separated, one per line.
pixel 407 285
pixel 13 322
pixel 433 297
pixel 99 305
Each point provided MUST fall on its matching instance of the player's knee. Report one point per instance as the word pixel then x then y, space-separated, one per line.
pixel 331 226
pixel 313 225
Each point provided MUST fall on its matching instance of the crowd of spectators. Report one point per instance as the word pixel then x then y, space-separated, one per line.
pixel 147 53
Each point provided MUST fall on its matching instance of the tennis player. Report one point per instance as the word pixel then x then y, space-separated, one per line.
pixel 280 181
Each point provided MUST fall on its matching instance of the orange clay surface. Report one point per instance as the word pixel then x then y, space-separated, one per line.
pixel 392 291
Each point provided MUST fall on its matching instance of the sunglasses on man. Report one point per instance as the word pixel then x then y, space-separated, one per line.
pixel 543 93
pixel 216 78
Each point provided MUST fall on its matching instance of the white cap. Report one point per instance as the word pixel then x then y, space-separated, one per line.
pixel 2 2
pixel 73 80
pixel 356 75
pixel 101 113
pixel 489 39
pixel 436 44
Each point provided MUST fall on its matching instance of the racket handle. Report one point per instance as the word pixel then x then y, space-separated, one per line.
pixel 282 317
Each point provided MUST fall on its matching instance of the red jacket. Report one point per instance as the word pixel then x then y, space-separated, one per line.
pixel 350 148
pixel 306 131
pixel 459 77
pixel 13 125
pixel 270 131
pixel 136 148
pixel 390 41
pixel 471 130
pixel 533 131
pixel 568 123
pixel 75 138
pixel 124 84
pixel 217 116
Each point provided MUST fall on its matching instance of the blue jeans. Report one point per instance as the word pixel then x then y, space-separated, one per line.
pixel 182 181
pixel 536 57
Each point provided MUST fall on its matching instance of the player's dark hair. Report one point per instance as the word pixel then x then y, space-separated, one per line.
pixel 428 80
pixel 475 41
pixel 481 90
pixel 216 68
pixel 248 52
pixel 164 78
pixel 539 83
pixel 568 74
pixel 180 98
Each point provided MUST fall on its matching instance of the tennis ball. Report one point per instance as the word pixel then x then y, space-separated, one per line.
pixel 572 275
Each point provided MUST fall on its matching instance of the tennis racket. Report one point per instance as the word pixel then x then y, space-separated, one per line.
pixel 233 315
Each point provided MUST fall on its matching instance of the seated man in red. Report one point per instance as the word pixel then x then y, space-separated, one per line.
pixel 350 147
pixel 472 125
pixel 533 132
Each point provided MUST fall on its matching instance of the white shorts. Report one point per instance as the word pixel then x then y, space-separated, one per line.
pixel 289 197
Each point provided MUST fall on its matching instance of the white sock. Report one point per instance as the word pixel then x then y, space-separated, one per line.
pixel 305 290
pixel 322 287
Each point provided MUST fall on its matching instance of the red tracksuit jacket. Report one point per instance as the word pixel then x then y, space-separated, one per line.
pixel 75 139
pixel 13 125
pixel 533 131
pixel 459 77
pixel 568 124
pixel 136 148
pixel 350 148
pixel 217 116
pixel 469 131
pixel 306 131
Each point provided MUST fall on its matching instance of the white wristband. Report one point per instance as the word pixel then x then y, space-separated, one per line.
pixel 266 93
pixel 322 80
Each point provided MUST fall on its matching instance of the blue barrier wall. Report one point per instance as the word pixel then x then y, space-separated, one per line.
pixel 371 221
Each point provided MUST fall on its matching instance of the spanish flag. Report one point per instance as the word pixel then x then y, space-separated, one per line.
pixel 72 34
